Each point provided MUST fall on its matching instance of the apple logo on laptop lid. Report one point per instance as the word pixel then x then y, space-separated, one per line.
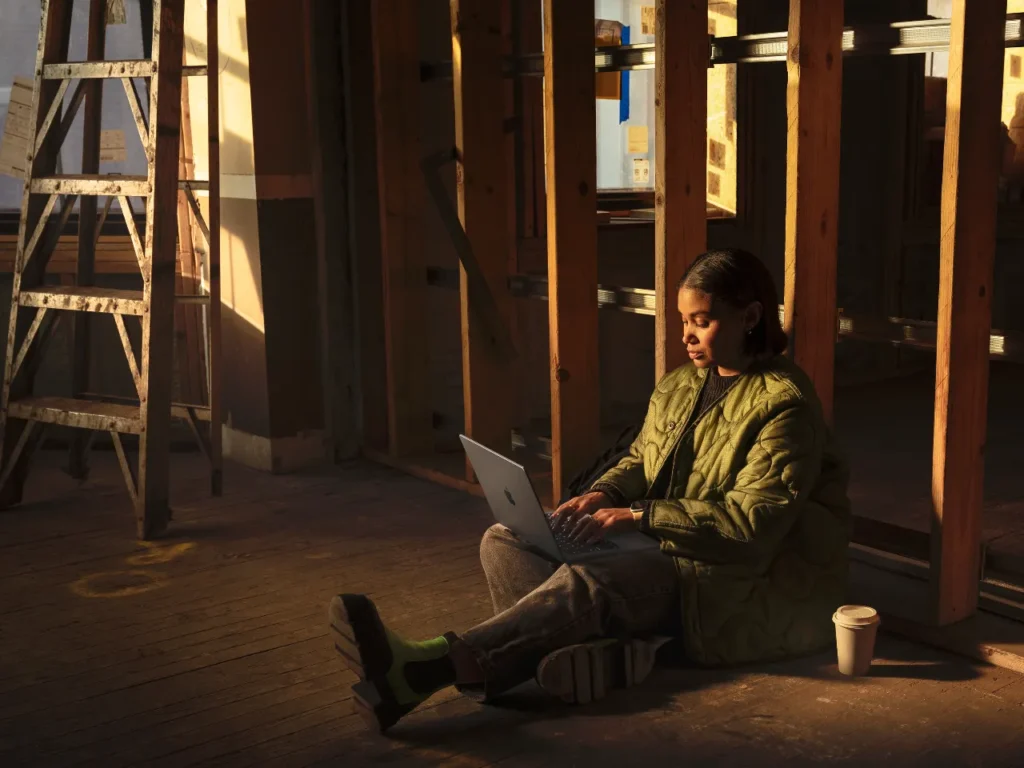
pixel 511 499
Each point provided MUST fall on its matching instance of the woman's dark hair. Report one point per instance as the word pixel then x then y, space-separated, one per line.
pixel 738 278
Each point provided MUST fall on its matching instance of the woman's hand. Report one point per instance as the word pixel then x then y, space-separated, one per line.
pixel 569 515
pixel 590 517
pixel 603 522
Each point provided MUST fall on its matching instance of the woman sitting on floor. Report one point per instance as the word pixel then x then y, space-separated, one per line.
pixel 735 472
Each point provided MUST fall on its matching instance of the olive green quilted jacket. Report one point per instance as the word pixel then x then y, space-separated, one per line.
pixel 756 516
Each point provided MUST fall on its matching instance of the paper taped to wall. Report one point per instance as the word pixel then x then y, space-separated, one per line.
pixel 18 133
pixel 647 20
pixel 116 13
pixel 641 170
pixel 112 148
pixel 636 139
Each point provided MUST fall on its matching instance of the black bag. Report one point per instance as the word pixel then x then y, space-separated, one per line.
pixel 612 456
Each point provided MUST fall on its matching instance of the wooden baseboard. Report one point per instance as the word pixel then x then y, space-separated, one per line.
pixel 448 469
pixel 444 469
pixel 903 604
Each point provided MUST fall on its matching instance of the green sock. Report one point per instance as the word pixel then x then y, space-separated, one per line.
pixel 418 668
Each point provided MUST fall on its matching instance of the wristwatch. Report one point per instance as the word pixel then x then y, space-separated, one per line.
pixel 638 508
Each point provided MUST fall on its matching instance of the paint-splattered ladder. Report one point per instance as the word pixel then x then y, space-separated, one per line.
pixel 24 417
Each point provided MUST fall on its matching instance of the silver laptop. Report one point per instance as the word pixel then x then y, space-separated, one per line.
pixel 515 505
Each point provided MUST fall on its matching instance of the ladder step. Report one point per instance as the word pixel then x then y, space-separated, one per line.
pixel 115 301
pixel 178 410
pixel 99 69
pixel 93 184
pixel 85 414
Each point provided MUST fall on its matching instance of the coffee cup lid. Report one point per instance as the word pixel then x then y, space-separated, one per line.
pixel 855 616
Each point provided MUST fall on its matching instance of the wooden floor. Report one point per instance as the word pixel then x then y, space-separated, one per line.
pixel 210 648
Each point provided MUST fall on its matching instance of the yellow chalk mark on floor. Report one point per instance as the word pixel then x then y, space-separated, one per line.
pixel 158 555
pixel 118 584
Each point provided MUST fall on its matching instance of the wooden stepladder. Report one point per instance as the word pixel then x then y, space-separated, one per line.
pixel 36 306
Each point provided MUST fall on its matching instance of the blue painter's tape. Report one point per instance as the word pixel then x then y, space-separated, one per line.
pixel 624 98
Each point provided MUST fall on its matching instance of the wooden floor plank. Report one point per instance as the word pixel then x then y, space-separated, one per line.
pixel 91 683
pixel 231 662
pixel 164 632
pixel 189 741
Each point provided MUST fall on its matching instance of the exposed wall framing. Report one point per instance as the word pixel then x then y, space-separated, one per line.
pixel 813 49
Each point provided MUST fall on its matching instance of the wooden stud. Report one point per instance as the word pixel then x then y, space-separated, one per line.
pixel 570 147
pixel 967 252
pixel 152 509
pixel 364 217
pixel 680 177
pixel 487 374
pixel 81 322
pixel 213 360
pixel 327 107
pixel 814 106
pixel 530 98
pixel 189 348
pixel 397 91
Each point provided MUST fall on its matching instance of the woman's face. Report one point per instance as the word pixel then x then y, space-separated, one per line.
pixel 714 333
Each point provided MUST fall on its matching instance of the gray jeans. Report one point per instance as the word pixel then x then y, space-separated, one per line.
pixel 541 605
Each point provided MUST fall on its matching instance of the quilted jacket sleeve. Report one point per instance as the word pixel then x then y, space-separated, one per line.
pixel 781 471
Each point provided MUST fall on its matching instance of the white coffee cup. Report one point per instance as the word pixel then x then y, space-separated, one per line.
pixel 856 628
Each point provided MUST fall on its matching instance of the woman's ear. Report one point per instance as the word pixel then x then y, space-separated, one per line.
pixel 752 316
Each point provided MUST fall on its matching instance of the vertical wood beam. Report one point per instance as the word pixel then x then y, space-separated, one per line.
pixel 967 251
pixel 364 223
pixel 814 107
pixel 213 328
pixel 680 177
pixel 402 198
pixel 571 152
pixel 327 103
pixel 483 192
pixel 530 104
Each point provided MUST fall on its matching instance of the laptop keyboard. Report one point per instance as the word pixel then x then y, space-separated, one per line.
pixel 569 546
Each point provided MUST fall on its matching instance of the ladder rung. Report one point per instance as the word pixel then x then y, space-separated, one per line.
pixel 178 410
pixel 70 412
pixel 99 69
pixel 85 299
pixel 194 71
pixel 196 184
pixel 94 184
